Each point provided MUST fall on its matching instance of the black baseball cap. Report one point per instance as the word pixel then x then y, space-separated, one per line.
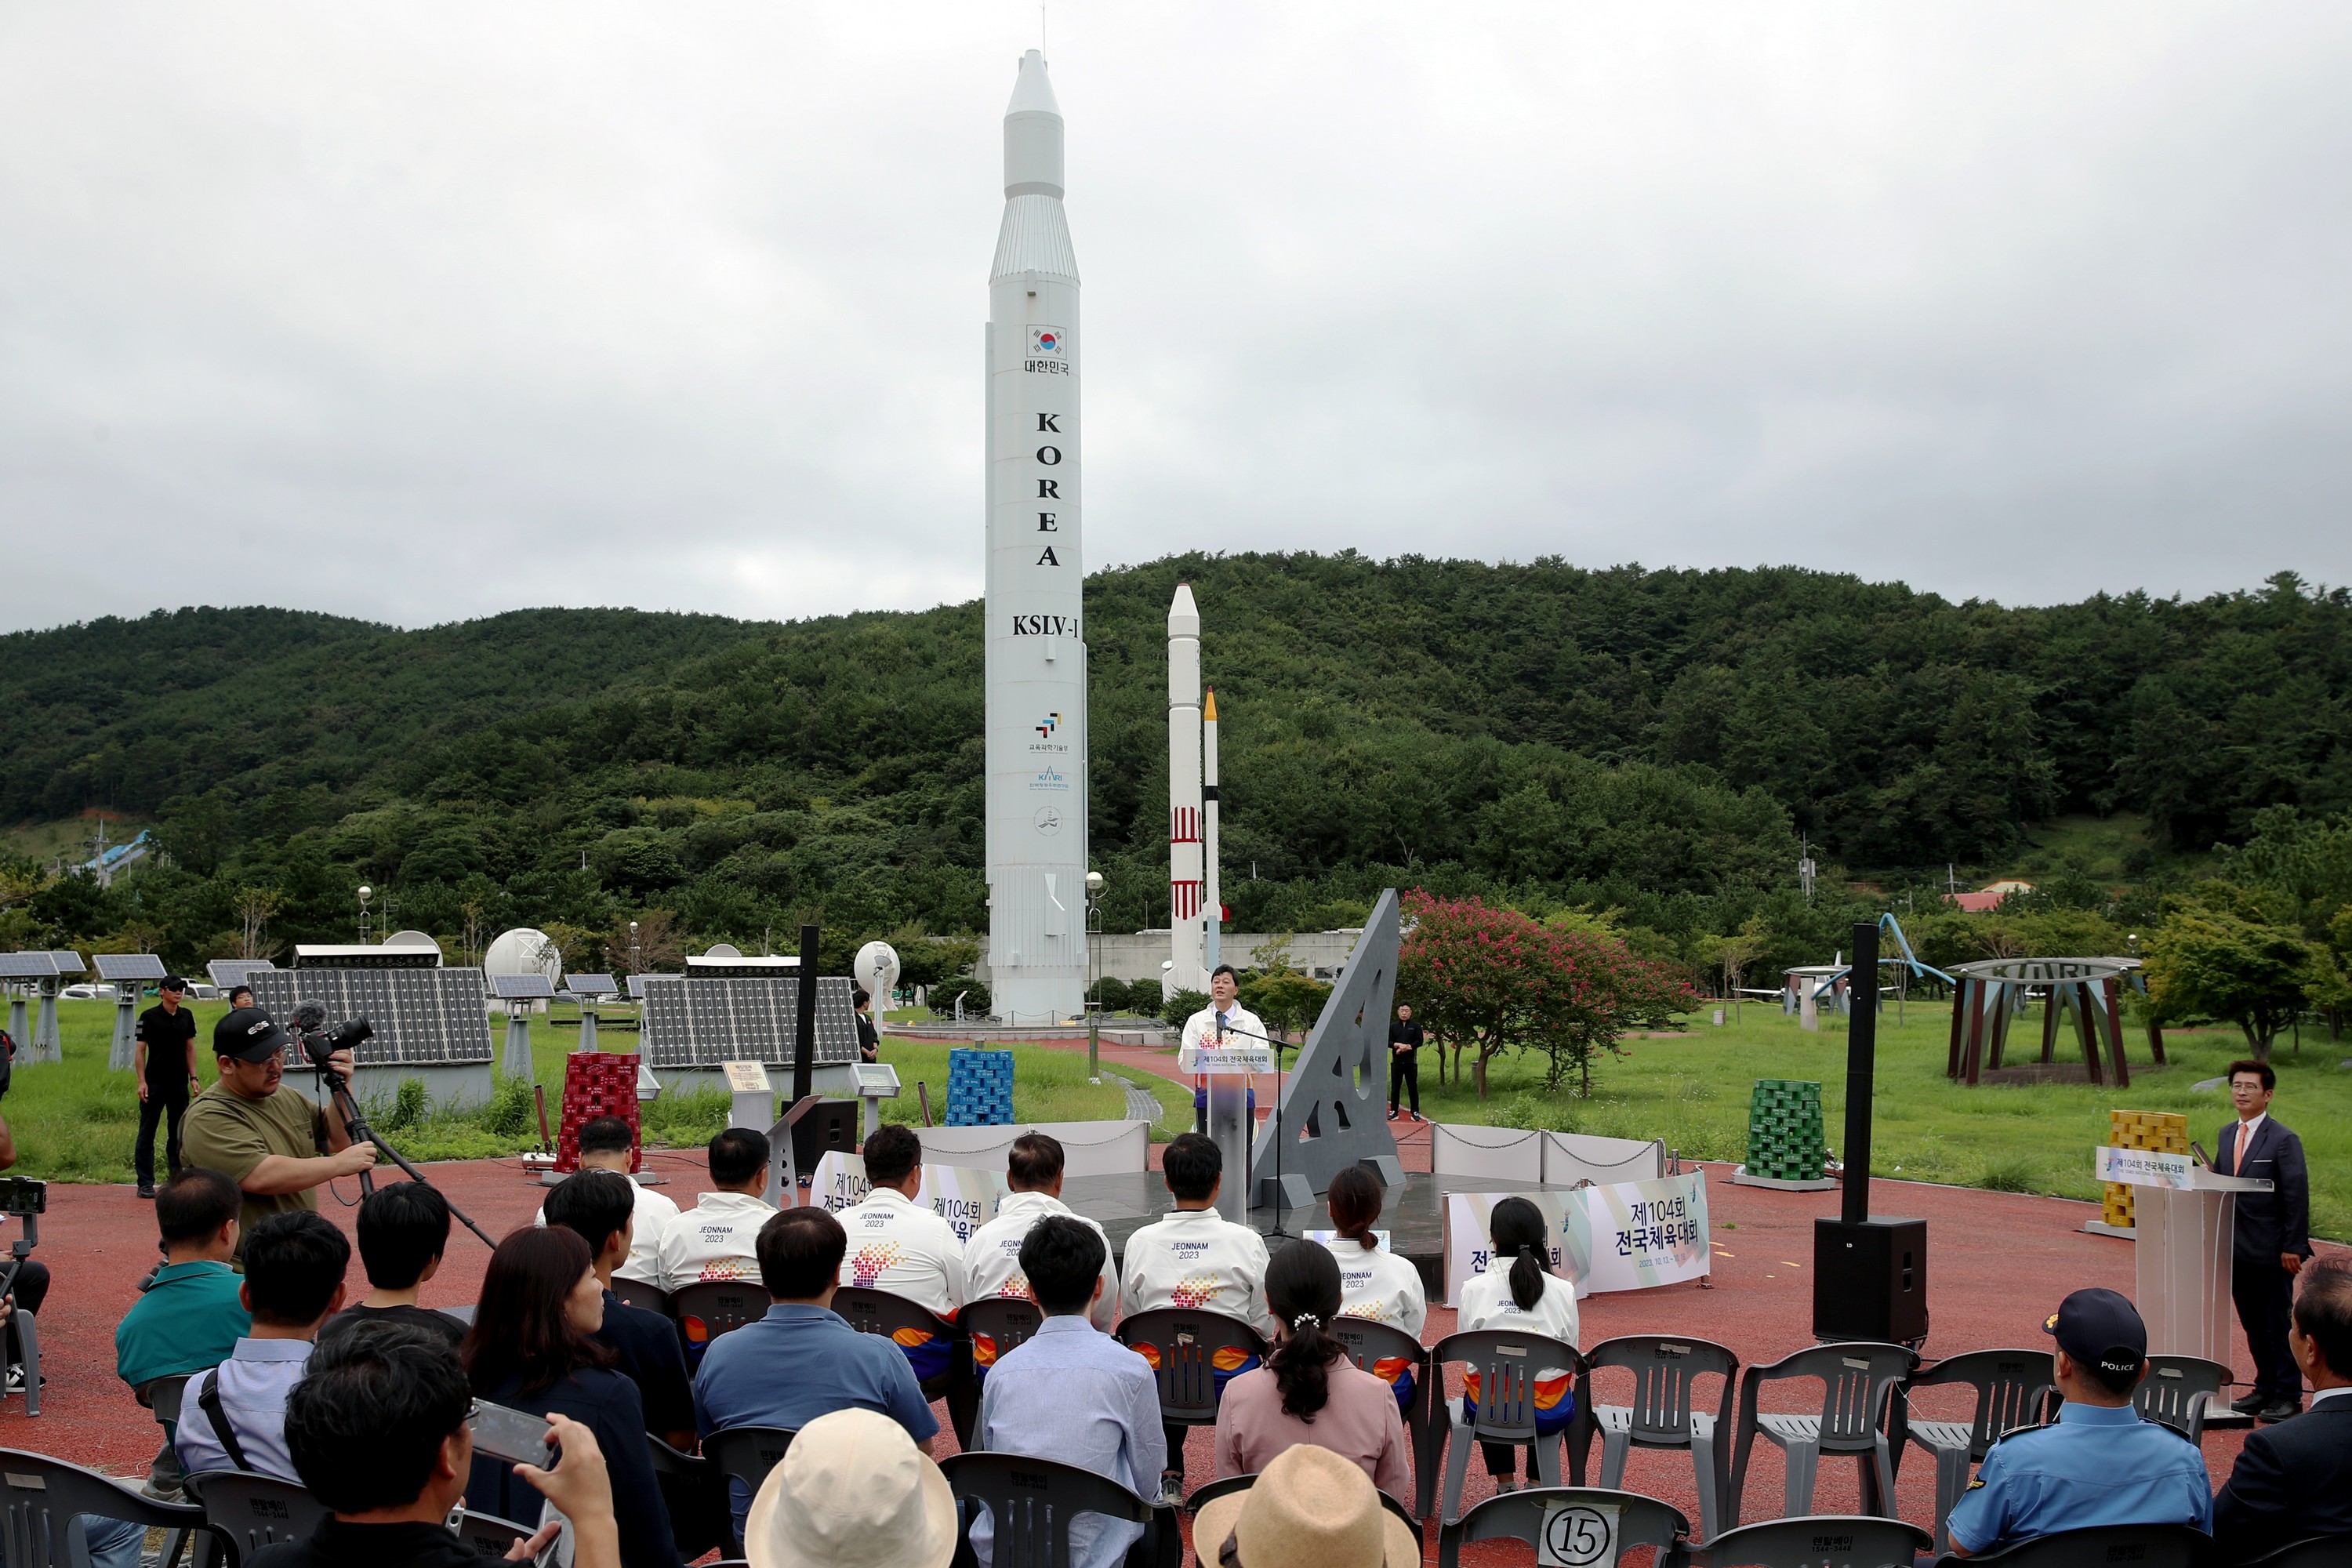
pixel 249 1035
pixel 171 982
pixel 2100 1328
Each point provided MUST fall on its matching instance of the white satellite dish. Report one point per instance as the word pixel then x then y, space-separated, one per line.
pixel 524 951
pixel 411 939
pixel 876 970
pixel 723 949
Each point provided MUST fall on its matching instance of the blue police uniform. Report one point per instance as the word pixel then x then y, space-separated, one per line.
pixel 2099 1465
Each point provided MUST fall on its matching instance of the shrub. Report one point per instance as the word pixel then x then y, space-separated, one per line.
pixel 1180 1007
pixel 512 1110
pixel 408 1107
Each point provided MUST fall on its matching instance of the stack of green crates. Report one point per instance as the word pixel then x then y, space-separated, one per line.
pixel 1784 1131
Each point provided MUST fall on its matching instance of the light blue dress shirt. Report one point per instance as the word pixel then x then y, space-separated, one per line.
pixel 2099 1465
pixel 1074 1393
pixel 254 1384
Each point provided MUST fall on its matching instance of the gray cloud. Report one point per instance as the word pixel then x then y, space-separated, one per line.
pixel 422 313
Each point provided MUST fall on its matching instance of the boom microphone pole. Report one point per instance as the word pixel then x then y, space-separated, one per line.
pixel 1223 1030
pixel 309 1027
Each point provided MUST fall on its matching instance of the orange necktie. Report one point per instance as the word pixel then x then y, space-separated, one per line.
pixel 2238 1155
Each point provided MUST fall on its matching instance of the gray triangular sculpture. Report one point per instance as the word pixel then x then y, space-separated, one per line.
pixel 1332 1115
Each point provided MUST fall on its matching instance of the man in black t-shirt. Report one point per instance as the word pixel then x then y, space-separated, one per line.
pixel 165 1062
pixel 1404 1060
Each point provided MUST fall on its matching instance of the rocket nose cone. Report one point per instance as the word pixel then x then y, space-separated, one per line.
pixel 1033 91
pixel 1183 615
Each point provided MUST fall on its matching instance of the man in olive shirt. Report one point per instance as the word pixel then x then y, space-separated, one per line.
pixel 166 1070
pixel 273 1139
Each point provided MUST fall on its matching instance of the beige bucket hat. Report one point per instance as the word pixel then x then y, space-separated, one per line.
pixel 853 1491
pixel 1309 1505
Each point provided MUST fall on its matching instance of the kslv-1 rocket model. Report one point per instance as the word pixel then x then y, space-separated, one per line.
pixel 1036 657
pixel 1190 873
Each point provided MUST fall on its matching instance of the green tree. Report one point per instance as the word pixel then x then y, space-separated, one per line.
pixel 2212 963
pixel 1285 1002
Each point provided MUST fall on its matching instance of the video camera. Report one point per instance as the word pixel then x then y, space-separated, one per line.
pixel 320 1039
pixel 22 1196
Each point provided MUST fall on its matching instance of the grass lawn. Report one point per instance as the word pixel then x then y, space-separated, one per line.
pixel 1693 1091
pixel 74 1120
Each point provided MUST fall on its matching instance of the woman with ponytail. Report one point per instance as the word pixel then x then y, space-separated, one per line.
pixel 1375 1284
pixel 1519 1292
pixel 1308 1392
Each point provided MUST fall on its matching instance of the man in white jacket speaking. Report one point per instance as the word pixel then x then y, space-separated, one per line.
pixel 1223 1022
pixel 991 1258
pixel 899 1244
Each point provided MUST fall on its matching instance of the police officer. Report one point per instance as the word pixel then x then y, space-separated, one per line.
pixel 2101 1464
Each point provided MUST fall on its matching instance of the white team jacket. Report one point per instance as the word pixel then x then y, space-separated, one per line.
pixel 991 1258
pixel 1378 1284
pixel 715 1239
pixel 1486 1304
pixel 1193 1257
pixel 901 1245
pixel 647 1225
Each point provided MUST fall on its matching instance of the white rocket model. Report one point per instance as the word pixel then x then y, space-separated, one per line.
pixel 1036 657
pixel 1213 911
pixel 1186 972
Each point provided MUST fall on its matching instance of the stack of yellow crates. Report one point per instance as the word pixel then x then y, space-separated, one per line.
pixel 2159 1129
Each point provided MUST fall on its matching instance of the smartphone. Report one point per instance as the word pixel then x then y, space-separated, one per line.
pixel 515 1436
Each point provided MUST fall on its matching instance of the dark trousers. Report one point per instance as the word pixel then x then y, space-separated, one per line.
pixel 1175 1437
pixel 2265 1293
pixel 156 1107
pixel 1404 1072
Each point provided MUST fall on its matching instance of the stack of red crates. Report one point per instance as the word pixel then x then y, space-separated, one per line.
pixel 597 1083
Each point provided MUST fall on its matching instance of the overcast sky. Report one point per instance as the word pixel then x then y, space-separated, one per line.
pixel 421 311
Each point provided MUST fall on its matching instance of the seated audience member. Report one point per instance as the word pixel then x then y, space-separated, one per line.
pixel 1215 1265
pixel 378 1434
pixel 403 1230
pixel 1308 1390
pixel 1375 1284
pixel 599 1206
pixel 233 1417
pixel 802 1361
pixel 532 1348
pixel 896 1243
pixel 991 1258
pixel 1071 1391
pixel 2293 1478
pixel 191 1314
pixel 2101 1464
pixel 1530 1297
pixel 717 1239
pixel 1309 1507
pixel 607 1144
pixel 853 1491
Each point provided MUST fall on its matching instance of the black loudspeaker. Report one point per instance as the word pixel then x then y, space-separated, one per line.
pixel 1870 1279
pixel 832 1125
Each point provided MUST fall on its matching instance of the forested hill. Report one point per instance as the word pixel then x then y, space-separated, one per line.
pixel 1655 740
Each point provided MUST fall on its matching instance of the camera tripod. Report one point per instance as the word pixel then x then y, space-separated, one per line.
pixel 355 1127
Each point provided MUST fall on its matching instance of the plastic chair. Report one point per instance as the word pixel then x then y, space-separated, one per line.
pixel 1817 1541
pixel 1209 1491
pixel 1663 1413
pixel 1368 1343
pixel 745 1454
pixel 490 1535
pixel 40 1499
pixel 163 1395
pixel 1520 1516
pixel 883 1313
pixel 695 1492
pixel 638 1293
pixel 1506 1364
pixel 1857 1378
pixel 1183 1345
pixel 2011 1388
pixel 710 1307
pixel 1031 1503
pixel 250 1511
pixel 1006 1322
pixel 2142 1545
pixel 2179 1390
pixel 2319 1552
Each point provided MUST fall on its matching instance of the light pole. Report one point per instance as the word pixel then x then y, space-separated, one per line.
pixel 636 964
pixel 1093 987
pixel 366 893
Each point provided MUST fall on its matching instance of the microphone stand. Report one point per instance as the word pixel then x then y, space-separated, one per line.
pixel 1277 1045
pixel 356 1128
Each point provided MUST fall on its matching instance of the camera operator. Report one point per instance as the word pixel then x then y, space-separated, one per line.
pixel 274 1140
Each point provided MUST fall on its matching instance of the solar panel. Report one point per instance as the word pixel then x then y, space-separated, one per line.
pixel 704 1020
pixel 590 984
pixel 127 966
pixel 231 973
pixel 27 966
pixel 348 956
pixel 520 987
pixel 69 962
pixel 638 983
pixel 423 1017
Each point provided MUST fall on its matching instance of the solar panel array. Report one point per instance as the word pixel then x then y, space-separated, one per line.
pixel 422 1017
pixel 69 963
pixel 27 966
pixel 128 966
pixel 520 987
pixel 590 984
pixel 228 973
pixel 700 1022
pixel 638 983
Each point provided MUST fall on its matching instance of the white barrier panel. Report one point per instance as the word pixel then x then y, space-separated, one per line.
pixel 965 1198
pixel 1503 1154
pixel 1628 1235
pixel 1572 1157
pixel 1088 1148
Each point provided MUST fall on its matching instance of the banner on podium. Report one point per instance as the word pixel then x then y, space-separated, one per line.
pixel 1225 1059
pixel 2145 1168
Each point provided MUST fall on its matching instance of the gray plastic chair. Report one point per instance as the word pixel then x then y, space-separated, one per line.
pixel 1031 1502
pixel 251 1511
pixel 1817 1541
pixel 710 1307
pixel 1507 1363
pixel 1368 1343
pixel 1663 1413
pixel 746 1454
pixel 1006 1322
pixel 884 1312
pixel 490 1535
pixel 41 1499
pixel 2179 1390
pixel 1520 1516
pixel 1857 1378
pixel 2011 1388
pixel 1185 1343
pixel 638 1293
pixel 2319 1552
pixel 1199 1497
pixel 694 1490
pixel 2142 1545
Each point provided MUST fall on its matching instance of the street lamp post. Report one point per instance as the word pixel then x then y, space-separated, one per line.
pixel 366 893
pixel 1094 986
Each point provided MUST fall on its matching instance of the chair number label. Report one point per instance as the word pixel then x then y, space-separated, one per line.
pixel 1578 1535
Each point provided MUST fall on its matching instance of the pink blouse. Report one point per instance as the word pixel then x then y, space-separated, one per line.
pixel 1360 1422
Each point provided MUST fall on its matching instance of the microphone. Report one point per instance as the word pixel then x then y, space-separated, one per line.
pixel 309 1017
pixel 1220 1028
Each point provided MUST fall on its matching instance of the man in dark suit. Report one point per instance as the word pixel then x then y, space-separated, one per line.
pixel 2294 1480
pixel 2273 1236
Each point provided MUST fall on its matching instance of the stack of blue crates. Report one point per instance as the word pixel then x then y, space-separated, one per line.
pixel 979 1089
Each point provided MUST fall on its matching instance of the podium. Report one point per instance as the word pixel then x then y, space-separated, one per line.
pixel 2185 1217
pixel 1229 1069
